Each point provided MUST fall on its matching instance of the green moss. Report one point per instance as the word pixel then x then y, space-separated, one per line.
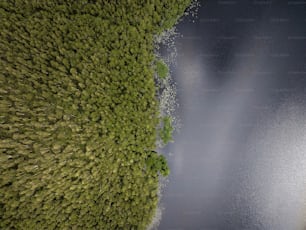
pixel 79 112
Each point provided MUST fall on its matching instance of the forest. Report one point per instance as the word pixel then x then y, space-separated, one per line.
pixel 79 112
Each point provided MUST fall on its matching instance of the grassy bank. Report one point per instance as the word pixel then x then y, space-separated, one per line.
pixel 79 113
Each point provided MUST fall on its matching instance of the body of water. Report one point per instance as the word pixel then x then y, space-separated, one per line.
pixel 239 160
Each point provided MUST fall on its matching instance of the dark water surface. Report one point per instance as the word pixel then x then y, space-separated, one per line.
pixel 239 161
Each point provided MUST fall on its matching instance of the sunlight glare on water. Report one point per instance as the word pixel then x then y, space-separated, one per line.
pixel 277 187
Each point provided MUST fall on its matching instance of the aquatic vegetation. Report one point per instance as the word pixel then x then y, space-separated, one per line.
pixel 166 131
pixel 79 113
pixel 162 69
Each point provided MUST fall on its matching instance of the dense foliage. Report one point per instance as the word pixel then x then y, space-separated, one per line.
pixel 157 163
pixel 79 112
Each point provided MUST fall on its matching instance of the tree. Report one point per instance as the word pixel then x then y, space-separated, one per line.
pixel 157 164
